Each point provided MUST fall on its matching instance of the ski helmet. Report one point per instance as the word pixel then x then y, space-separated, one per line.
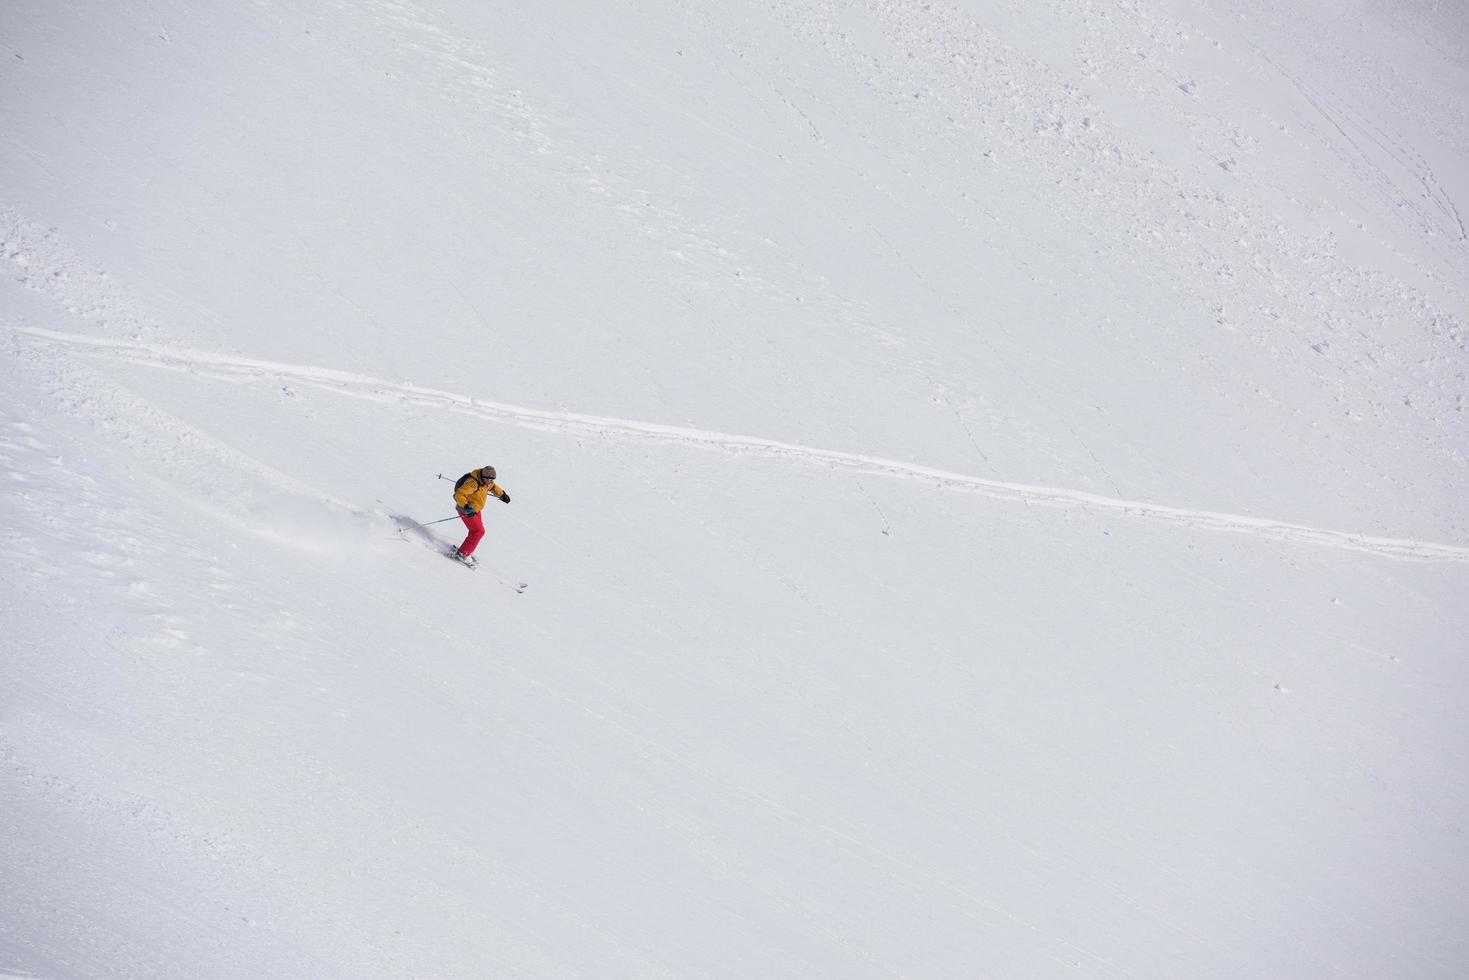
pixel 488 472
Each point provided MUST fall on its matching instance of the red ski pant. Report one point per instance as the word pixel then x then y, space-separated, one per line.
pixel 476 525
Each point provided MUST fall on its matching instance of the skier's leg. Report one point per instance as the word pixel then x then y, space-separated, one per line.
pixel 476 525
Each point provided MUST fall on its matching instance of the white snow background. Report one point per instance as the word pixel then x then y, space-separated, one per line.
pixel 991 478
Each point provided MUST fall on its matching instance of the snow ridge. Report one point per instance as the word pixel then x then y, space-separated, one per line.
pixel 246 370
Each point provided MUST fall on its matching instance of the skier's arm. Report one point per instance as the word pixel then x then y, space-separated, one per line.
pixel 498 491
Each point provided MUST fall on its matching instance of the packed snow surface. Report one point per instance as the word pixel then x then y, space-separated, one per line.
pixel 991 479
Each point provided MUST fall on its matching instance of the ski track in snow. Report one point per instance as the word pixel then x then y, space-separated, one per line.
pixel 246 370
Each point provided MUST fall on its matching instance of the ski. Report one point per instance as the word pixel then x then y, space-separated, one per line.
pixel 414 531
pixel 453 555
pixel 473 566
pixel 509 583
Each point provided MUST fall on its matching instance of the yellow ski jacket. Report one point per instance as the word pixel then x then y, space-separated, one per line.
pixel 471 491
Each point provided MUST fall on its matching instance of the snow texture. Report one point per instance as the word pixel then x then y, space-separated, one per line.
pixel 993 477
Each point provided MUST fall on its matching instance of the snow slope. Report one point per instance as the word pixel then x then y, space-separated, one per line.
pixel 990 478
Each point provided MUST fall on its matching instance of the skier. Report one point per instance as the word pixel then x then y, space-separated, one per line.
pixel 470 493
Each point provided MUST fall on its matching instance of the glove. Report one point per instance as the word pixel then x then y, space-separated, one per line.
pixel 505 497
pixel 467 511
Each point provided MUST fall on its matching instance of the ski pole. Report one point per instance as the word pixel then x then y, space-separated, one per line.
pixel 427 523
